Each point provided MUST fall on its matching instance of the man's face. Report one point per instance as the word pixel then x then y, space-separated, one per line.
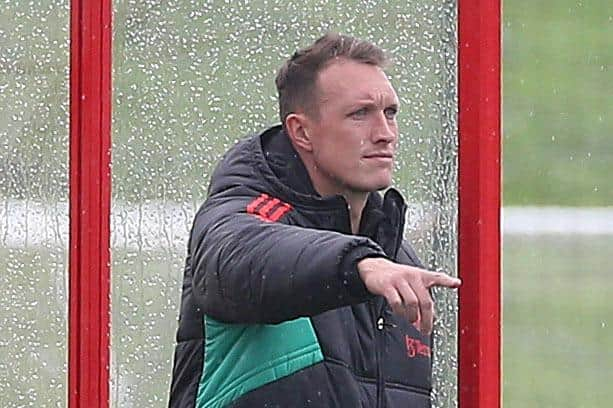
pixel 354 136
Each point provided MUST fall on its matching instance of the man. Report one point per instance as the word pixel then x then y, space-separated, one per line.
pixel 299 290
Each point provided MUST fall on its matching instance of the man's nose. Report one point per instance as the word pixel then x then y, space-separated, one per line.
pixel 384 130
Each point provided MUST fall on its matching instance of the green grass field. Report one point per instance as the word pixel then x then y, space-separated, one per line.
pixel 557 322
pixel 558 87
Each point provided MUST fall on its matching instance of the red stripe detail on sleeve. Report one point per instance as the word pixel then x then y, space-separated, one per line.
pixel 268 206
pixel 280 212
pixel 256 202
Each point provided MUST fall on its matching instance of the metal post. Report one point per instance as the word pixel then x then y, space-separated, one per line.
pixel 90 137
pixel 479 206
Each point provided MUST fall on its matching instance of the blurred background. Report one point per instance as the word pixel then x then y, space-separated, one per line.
pixel 558 198
pixel 192 77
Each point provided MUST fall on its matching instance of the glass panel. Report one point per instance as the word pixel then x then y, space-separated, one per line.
pixel 190 79
pixel 34 57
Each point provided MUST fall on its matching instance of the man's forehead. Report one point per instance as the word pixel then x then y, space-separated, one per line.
pixel 356 81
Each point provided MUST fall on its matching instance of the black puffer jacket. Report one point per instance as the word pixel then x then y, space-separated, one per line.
pixel 273 311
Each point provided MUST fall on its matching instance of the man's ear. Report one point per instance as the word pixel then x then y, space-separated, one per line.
pixel 295 125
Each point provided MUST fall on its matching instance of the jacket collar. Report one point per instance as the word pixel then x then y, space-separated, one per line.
pixel 282 166
pixel 285 162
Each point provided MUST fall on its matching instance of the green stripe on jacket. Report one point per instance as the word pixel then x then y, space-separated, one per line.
pixel 240 358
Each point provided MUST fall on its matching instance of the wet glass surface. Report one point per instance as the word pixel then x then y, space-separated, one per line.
pixel 34 57
pixel 191 78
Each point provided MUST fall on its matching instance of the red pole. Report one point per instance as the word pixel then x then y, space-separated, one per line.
pixel 90 138
pixel 479 207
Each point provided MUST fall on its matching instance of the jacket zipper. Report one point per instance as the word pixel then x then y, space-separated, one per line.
pixel 379 322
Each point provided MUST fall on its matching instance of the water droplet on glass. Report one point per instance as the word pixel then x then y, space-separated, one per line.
pixel 33 202
pixel 190 81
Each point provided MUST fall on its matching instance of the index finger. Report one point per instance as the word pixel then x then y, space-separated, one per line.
pixel 441 279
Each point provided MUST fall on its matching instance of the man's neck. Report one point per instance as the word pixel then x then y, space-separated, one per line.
pixel 356 203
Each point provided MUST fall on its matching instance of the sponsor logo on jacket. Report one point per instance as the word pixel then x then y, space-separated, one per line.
pixel 416 348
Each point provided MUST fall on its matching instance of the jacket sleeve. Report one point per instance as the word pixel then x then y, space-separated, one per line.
pixel 247 270
pixel 413 258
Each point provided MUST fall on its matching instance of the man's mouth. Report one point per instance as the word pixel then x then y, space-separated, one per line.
pixel 381 156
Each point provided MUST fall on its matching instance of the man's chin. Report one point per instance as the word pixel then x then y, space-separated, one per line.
pixel 383 185
pixel 370 184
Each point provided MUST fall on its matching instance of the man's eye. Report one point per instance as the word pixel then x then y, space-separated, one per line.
pixel 390 113
pixel 360 112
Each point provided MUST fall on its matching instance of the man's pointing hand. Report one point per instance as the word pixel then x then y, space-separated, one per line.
pixel 406 288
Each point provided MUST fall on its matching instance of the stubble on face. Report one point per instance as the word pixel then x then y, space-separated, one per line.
pixel 354 132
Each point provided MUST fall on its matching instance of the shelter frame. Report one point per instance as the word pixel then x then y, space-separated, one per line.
pixel 479 353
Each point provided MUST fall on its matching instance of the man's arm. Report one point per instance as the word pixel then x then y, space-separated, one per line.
pixel 247 270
